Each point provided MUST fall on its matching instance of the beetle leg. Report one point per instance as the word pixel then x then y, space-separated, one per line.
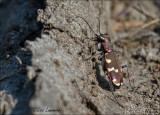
pixel 110 81
pixel 111 86
pixel 100 57
pixel 105 73
pixel 125 66
pixel 104 67
pixel 98 46
pixel 86 59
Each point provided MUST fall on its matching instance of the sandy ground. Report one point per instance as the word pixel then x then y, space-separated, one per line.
pixel 42 46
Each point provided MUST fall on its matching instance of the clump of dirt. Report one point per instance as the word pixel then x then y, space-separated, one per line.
pixel 51 76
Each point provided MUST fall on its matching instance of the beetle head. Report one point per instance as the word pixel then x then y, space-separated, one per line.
pixel 104 37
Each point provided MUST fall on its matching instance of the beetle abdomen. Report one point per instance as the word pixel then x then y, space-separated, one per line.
pixel 113 68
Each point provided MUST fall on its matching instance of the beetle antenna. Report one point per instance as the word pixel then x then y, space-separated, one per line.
pixel 99 26
pixel 88 25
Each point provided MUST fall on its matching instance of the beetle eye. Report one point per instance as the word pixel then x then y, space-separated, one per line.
pixel 101 37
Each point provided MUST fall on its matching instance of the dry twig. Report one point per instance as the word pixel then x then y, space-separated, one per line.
pixel 13 73
pixel 145 26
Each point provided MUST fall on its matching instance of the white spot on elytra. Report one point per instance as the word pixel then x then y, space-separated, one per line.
pixel 111 69
pixel 117 84
pixel 108 60
pixel 114 80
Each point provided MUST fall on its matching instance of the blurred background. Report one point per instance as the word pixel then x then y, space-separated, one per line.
pixel 42 46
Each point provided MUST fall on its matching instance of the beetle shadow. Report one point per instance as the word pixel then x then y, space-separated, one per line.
pixel 102 81
pixel 104 84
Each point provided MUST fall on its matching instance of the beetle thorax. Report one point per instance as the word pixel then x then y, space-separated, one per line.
pixel 107 47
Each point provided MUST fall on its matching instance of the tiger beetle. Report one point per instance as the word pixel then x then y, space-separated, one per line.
pixel 112 68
